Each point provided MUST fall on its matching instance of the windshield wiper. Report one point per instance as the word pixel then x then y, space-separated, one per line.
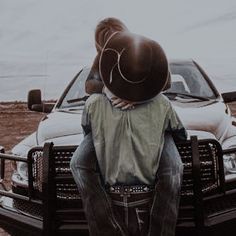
pixel 186 95
pixel 84 98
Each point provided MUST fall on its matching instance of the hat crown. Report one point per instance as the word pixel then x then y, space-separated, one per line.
pixel 134 61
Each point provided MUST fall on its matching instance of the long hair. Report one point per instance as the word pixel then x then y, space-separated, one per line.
pixel 105 28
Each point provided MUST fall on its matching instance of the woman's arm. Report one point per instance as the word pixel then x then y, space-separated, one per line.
pixel 94 83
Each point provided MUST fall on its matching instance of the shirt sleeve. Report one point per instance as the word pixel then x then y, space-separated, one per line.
pixel 175 126
pixel 86 120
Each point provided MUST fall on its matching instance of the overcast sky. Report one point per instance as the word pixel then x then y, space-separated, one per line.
pixel 45 42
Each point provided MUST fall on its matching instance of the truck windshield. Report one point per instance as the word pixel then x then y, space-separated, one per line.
pixel 76 95
pixel 186 79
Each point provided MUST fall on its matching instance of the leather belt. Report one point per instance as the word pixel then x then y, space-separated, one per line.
pixel 134 189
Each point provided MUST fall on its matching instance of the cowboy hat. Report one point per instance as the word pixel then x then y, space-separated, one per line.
pixel 133 67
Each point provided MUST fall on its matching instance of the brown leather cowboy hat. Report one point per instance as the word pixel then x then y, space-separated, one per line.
pixel 133 67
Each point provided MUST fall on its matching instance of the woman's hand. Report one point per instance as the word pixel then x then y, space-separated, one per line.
pixel 122 104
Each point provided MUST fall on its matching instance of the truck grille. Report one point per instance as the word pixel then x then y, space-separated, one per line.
pixel 67 194
pixel 65 191
pixel 209 167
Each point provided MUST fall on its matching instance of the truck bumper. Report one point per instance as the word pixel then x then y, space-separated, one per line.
pixel 15 222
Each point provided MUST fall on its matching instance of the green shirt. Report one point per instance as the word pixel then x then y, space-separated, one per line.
pixel 129 143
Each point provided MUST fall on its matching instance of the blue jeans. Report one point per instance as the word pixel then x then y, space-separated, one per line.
pixel 164 210
pixel 134 209
pixel 103 220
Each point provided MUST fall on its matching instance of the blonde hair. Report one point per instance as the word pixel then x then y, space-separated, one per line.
pixel 105 28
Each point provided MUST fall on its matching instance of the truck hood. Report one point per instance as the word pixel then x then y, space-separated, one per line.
pixel 207 116
pixel 61 124
pixel 59 127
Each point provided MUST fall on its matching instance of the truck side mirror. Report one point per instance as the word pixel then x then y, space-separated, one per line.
pixel 34 98
pixel 35 102
pixel 229 97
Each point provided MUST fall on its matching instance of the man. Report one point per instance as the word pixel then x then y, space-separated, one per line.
pixel 127 63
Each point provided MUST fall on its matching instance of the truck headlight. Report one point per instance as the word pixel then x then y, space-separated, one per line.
pixel 20 174
pixel 22 170
pixel 230 163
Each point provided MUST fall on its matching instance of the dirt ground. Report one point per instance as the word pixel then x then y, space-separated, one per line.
pixel 17 122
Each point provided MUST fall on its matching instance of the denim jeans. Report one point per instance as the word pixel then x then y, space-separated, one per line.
pixel 103 217
pixel 134 209
pixel 164 210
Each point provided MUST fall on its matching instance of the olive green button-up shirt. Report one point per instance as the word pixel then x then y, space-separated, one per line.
pixel 129 143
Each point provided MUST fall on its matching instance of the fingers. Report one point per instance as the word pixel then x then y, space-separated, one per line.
pixel 120 105
pixel 123 104
pixel 128 106
pixel 116 101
